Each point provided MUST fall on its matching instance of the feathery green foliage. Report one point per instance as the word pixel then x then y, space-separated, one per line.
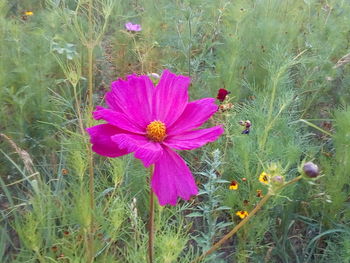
pixel 281 61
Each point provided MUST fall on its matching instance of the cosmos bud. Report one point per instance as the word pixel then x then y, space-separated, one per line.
pixel 222 93
pixel 277 179
pixel 311 170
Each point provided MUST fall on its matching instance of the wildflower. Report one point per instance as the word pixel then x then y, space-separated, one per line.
pixel 152 122
pixel 242 214
pixel 133 27
pixel 244 179
pixel 246 131
pixel 311 170
pixel 222 93
pixel 226 107
pixel 233 185
pixel 259 193
pixel 264 178
pixel 28 13
pixel 247 124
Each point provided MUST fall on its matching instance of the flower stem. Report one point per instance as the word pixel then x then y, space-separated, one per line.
pixel 243 222
pixel 90 49
pixel 151 221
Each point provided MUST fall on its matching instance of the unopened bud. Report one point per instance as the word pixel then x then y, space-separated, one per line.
pixel 311 170
pixel 278 179
pixel 154 75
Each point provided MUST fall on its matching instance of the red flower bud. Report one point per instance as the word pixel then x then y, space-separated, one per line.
pixel 222 93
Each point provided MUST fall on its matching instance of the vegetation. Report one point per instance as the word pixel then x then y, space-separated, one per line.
pixel 284 63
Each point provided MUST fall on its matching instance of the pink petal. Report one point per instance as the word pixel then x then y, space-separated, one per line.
pixel 170 97
pixel 132 27
pixel 133 97
pixel 147 151
pixel 111 102
pixel 195 114
pixel 193 139
pixel 172 179
pixel 100 137
pixel 117 119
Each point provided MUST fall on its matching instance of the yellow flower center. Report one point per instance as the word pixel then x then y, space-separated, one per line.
pixel 156 131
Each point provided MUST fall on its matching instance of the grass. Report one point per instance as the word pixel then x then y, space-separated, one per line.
pixel 277 58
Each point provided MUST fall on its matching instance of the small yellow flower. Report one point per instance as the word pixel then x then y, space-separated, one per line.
pixel 264 178
pixel 28 13
pixel 242 214
pixel 233 185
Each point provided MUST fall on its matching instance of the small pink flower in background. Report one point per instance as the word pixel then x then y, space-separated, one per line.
pixel 152 122
pixel 133 27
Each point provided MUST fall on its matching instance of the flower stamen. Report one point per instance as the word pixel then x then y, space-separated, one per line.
pixel 156 131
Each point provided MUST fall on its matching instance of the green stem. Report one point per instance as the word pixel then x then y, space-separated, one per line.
pixel 243 222
pixel 77 105
pixel 189 45
pixel 39 256
pixel 151 223
pixel 90 48
pixel 234 230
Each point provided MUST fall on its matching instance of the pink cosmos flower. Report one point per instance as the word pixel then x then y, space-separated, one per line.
pixel 133 27
pixel 152 122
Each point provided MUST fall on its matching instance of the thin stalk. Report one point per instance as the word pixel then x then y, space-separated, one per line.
pixel 90 49
pixel 244 221
pixel 234 230
pixel 189 45
pixel 151 222
pixel 138 53
pixel 90 82
pixel 275 83
pixel 77 105
pixel 39 256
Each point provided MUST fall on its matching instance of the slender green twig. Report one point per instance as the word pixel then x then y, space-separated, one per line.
pixel 151 222
pixel 244 221
pixel 90 49
pixel 189 45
